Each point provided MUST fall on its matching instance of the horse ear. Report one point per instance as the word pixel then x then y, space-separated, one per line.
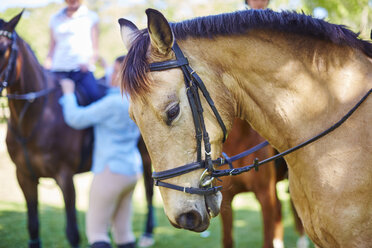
pixel 10 26
pixel 128 32
pixel 161 34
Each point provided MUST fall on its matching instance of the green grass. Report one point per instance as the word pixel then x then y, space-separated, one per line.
pixel 13 232
pixel 247 225
pixel 13 223
pixel 4 111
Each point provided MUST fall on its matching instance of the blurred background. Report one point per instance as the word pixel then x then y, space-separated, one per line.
pixel 33 27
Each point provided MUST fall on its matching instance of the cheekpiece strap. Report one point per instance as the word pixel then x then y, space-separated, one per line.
pixel 160 66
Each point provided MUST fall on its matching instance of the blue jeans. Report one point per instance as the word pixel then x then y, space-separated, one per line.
pixel 85 83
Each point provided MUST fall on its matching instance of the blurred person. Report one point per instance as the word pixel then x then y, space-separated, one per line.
pixel 108 69
pixel 111 73
pixel 117 163
pixel 257 4
pixel 73 47
pixel 106 78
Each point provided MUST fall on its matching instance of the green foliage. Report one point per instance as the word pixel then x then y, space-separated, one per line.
pixel 357 14
pixel 34 25
pixel 4 111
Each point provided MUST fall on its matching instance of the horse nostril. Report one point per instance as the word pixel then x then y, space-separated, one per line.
pixel 190 220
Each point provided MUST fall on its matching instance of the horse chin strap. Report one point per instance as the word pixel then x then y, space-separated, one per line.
pixel 193 83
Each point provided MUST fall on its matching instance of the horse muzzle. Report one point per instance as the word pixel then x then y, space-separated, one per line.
pixel 197 220
pixel 193 221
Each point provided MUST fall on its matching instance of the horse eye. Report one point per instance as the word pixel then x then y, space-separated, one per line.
pixel 172 113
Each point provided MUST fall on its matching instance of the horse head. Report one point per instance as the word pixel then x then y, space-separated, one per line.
pixel 160 105
pixel 6 32
pixel 8 49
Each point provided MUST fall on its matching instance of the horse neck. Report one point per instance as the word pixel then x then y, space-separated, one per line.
pixel 288 87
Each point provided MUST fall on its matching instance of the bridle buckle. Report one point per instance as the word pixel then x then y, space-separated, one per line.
pixel 32 97
pixel 231 171
pixel 206 179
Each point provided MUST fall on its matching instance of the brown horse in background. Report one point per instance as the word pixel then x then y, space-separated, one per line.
pixel 262 183
pixel 38 140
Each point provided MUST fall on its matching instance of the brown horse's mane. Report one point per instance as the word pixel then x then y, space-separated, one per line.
pixel 135 67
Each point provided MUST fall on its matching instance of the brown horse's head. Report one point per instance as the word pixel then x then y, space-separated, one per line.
pixel 8 50
pixel 6 31
pixel 160 107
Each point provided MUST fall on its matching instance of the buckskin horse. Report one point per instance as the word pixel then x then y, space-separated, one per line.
pixel 38 140
pixel 302 83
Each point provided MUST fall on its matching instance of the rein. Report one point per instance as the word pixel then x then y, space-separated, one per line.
pixel 193 83
pixel 31 96
pixel 256 163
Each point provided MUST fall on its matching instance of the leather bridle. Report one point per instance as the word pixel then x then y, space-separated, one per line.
pixel 193 83
pixel 9 69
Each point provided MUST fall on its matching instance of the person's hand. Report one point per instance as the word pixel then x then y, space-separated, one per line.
pixel 84 67
pixel 102 62
pixel 67 85
pixel 48 63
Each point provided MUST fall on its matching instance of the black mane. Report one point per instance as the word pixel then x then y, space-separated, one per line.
pixel 135 67
pixel 240 22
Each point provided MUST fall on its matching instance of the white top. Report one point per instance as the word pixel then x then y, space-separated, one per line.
pixel 73 37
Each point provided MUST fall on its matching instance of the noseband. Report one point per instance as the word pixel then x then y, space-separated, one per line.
pixel 193 83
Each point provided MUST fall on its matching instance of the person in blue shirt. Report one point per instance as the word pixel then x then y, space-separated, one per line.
pixel 117 163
